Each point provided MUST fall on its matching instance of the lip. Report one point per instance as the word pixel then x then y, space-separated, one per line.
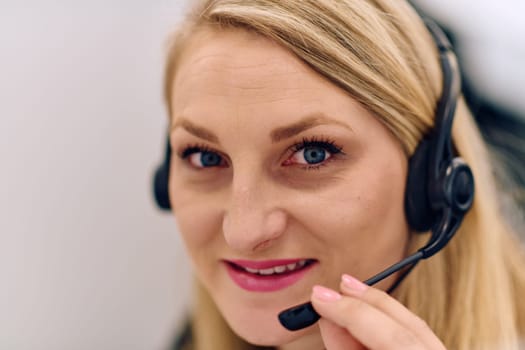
pixel 267 283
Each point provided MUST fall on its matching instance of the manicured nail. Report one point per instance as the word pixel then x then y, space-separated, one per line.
pixel 326 294
pixel 353 283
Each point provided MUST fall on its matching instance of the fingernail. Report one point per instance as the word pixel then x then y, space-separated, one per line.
pixel 326 294
pixel 353 283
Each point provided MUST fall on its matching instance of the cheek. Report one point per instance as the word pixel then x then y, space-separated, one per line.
pixel 362 219
pixel 198 220
pixel 197 227
pixel 365 198
pixel 381 201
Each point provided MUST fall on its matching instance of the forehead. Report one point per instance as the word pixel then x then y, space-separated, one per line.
pixel 235 63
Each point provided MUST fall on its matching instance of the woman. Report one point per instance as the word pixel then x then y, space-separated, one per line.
pixel 291 128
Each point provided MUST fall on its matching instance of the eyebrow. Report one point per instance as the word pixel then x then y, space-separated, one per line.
pixel 195 130
pixel 306 123
pixel 277 135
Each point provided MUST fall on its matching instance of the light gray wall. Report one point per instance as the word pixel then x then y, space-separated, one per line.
pixel 86 261
pixel 491 42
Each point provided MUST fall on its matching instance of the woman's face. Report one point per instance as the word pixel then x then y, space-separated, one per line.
pixel 279 181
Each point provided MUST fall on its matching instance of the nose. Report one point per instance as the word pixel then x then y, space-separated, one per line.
pixel 254 221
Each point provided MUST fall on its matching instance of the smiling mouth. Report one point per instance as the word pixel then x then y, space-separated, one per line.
pixel 278 270
pixel 268 275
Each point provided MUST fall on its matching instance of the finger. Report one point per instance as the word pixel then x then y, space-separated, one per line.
pixel 351 286
pixel 368 325
pixel 336 337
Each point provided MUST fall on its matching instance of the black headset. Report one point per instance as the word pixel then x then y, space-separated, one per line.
pixel 439 191
pixel 161 179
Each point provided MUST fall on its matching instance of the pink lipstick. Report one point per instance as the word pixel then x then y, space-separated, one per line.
pixel 267 275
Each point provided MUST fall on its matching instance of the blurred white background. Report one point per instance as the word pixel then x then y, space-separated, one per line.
pixel 86 260
pixel 491 42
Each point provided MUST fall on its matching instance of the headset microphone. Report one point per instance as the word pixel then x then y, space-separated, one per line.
pixel 440 188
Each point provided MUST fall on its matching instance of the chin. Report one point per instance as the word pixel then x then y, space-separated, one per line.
pixel 263 328
pixel 269 337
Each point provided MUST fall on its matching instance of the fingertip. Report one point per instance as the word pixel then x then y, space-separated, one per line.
pixel 352 285
pixel 325 294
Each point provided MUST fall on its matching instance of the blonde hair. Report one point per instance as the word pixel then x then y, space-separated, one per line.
pixel 380 52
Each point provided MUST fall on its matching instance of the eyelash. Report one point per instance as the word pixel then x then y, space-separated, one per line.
pixel 191 149
pixel 323 143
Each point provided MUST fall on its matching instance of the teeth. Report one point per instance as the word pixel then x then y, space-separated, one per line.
pixel 277 269
pixel 269 271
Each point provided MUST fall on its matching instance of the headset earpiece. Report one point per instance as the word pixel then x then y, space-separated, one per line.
pixel 426 197
pixel 457 188
pixel 417 205
pixel 161 180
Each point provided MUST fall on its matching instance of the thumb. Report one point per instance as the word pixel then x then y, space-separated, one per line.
pixel 337 338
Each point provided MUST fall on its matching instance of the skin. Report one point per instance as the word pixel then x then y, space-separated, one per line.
pixel 233 92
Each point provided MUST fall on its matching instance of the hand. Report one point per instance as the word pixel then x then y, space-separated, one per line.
pixel 362 317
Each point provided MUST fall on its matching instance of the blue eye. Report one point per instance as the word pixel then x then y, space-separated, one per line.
pixel 208 159
pixel 202 158
pixel 312 152
pixel 314 155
